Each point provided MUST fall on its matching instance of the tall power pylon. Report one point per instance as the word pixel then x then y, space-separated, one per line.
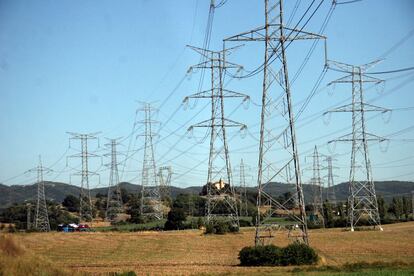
pixel 362 199
pixel 41 220
pixel 275 36
pixel 219 187
pixel 243 190
pixel 330 189
pixel 151 205
pixel 114 198
pixel 317 185
pixel 85 206
pixel 164 176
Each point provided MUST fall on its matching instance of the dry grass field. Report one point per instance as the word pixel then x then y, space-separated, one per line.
pixel 191 252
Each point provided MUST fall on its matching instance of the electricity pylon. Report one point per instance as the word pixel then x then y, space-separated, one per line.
pixel 164 176
pixel 317 183
pixel 330 192
pixel 243 190
pixel 362 199
pixel 41 220
pixel 85 206
pixel 151 206
pixel 276 37
pixel 114 198
pixel 220 193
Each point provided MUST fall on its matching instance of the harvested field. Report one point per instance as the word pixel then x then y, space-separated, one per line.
pixel 191 252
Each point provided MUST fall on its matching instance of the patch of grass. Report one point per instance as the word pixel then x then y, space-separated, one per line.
pixel 15 260
pixel 133 227
pixel 361 268
pixel 190 251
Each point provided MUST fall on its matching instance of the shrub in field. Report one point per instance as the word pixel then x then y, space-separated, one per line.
pixel 245 223
pixel 175 220
pixel 270 255
pixel 299 254
pixel 221 227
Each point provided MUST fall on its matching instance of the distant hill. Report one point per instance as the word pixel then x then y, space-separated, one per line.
pixel 57 191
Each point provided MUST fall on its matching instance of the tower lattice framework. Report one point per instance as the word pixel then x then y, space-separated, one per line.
pixel 317 186
pixel 114 196
pixel 243 190
pixel 221 197
pixel 277 100
pixel 330 192
pixel 41 219
pixel 151 204
pixel 85 200
pixel 362 200
pixel 164 177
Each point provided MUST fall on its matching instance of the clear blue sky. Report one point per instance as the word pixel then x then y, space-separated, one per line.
pixel 81 66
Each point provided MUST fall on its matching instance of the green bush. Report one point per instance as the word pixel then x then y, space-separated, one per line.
pixel 270 255
pixel 245 223
pixel 299 254
pixel 221 227
pixel 175 219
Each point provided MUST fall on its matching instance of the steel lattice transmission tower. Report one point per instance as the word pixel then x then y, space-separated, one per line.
pixel 114 197
pixel 85 206
pixel 151 205
pixel 41 220
pixel 362 201
pixel 164 176
pixel 220 191
pixel 317 183
pixel 276 37
pixel 243 190
pixel 330 192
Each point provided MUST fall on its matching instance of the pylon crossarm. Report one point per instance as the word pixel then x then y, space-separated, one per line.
pixel 344 108
pixel 345 79
pixel 345 67
pixel 252 35
pixel 216 122
pixel 201 95
pixel 304 35
pixel 231 94
pixel 371 79
pixel 371 107
pixel 367 66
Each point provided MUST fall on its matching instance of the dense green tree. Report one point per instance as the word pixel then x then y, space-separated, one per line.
pixel 328 214
pixel 396 207
pixel 71 203
pixel 406 206
pixel 382 208
pixel 100 205
pixel 175 219
pixel 134 209
pixel 17 214
pixel 58 215
pixel 125 196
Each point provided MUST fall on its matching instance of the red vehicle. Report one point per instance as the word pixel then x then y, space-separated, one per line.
pixel 83 227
